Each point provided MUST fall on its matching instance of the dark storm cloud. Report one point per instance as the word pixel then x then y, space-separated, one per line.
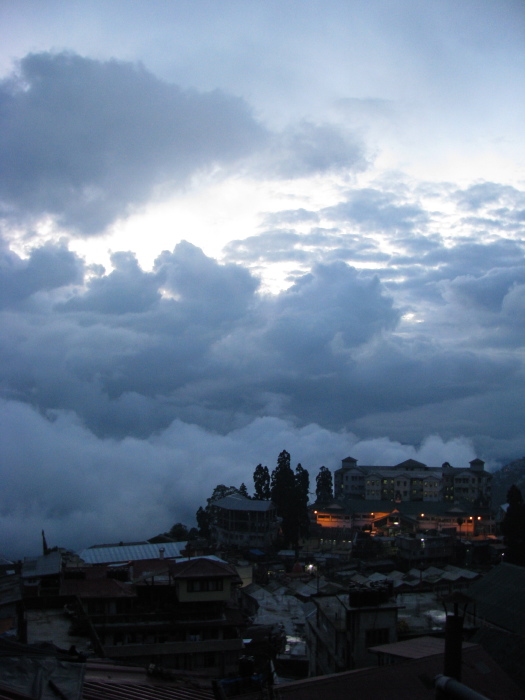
pixel 85 140
pixel 333 300
pixel 47 268
pixel 209 293
pixel 135 343
pixel 488 291
pixel 126 289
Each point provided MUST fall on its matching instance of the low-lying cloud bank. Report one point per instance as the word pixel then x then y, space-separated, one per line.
pixel 82 489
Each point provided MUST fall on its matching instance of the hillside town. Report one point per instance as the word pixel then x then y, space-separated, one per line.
pixel 396 581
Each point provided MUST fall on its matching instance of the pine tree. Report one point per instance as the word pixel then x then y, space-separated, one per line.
pixel 261 481
pixel 203 521
pixel 302 486
pixel 284 495
pixel 324 486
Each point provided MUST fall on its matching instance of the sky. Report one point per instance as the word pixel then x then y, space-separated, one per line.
pixel 233 228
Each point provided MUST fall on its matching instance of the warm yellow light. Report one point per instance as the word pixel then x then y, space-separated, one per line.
pixel 479 517
pixel 422 515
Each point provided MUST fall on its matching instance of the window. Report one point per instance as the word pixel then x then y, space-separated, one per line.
pixel 205 660
pixel 205 584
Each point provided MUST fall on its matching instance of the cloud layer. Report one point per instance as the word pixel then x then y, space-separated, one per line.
pixel 129 393
pixel 84 141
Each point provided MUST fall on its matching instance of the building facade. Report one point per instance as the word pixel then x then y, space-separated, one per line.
pixel 244 522
pixel 343 628
pixel 413 481
pixel 182 615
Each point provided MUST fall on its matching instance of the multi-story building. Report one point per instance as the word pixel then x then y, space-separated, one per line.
pixel 413 481
pixel 180 614
pixel 343 628
pixel 244 522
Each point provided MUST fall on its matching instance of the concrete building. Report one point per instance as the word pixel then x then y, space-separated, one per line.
pixel 413 481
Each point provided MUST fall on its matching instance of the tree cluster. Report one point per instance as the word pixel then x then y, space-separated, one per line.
pixel 288 489
pixel 289 492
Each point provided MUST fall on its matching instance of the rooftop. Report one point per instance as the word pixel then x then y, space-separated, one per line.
pixel 102 554
pixel 411 680
pixel 497 598
pixel 418 648
pixel 237 501
pixel 45 565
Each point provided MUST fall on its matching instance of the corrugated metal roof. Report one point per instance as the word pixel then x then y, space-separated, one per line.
pixel 202 567
pixel 104 681
pixel 100 690
pixel 240 502
pixel 46 565
pixel 132 552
